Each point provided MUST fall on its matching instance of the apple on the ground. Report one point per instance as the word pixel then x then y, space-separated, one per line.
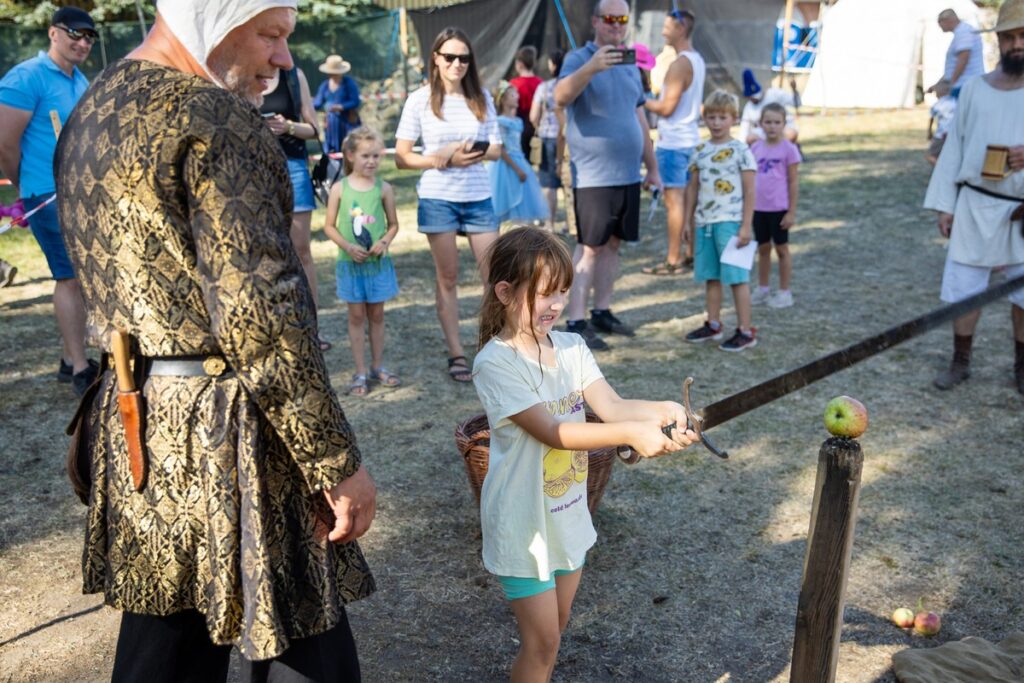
pixel 903 617
pixel 927 623
pixel 845 416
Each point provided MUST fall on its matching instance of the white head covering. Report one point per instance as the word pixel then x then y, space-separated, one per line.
pixel 200 25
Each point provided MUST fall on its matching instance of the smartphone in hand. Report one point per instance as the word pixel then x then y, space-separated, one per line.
pixel 628 55
pixel 480 146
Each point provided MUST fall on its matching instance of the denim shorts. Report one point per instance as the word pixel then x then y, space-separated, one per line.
pixel 674 166
pixel 46 229
pixel 547 174
pixel 371 282
pixel 441 215
pixel 518 587
pixel 298 169
pixel 710 242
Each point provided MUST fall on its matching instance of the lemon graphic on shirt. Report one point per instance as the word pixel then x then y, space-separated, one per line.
pixel 722 155
pixel 723 186
pixel 580 463
pixel 558 472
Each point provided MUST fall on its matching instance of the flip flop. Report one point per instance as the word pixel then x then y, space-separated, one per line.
pixel 458 369
pixel 385 377
pixel 665 268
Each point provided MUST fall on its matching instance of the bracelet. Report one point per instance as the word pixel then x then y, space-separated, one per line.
pixel 291 128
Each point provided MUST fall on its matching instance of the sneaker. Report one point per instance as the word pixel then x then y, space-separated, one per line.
pixel 83 379
pixel 739 341
pixel 760 296
pixel 705 333
pixel 64 372
pixel 594 342
pixel 7 273
pixel 780 299
pixel 609 324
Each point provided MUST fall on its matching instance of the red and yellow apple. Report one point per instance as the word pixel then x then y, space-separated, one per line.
pixel 927 623
pixel 903 617
pixel 845 416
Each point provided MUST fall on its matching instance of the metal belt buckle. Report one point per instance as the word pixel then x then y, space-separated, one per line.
pixel 214 366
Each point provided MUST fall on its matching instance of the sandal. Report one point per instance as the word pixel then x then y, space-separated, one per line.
pixel 385 377
pixel 458 369
pixel 359 386
pixel 665 268
pixel 324 344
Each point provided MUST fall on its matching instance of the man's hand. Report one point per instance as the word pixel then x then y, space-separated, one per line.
pixel 354 503
pixel 605 58
pixel 1015 159
pixel 945 224
pixel 652 180
pixel 788 220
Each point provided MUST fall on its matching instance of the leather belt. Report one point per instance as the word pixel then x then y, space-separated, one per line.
pixel 188 366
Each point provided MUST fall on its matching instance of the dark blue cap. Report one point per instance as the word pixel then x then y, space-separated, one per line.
pixel 72 17
pixel 750 84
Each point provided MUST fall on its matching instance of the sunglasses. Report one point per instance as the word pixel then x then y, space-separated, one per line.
pixel 76 35
pixel 613 19
pixel 449 58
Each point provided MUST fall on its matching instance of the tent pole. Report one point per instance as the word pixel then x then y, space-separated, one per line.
pixel 785 42
pixel 142 18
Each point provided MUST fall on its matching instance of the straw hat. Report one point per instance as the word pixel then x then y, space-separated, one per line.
pixel 1011 16
pixel 334 65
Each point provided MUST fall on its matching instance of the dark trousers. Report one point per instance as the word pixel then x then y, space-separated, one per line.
pixel 177 649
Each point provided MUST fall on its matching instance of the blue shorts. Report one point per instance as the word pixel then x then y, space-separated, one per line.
pixel 547 173
pixel 673 166
pixel 519 587
pixel 370 282
pixel 46 228
pixel 708 247
pixel 298 169
pixel 441 215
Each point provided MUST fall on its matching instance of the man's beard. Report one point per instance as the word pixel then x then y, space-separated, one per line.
pixel 1012 63
pixel 232 82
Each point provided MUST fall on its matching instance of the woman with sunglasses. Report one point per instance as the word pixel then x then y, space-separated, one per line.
pixel 455 118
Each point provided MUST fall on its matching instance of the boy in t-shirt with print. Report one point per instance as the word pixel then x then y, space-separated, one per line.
pixel 778 185
pixel 721 196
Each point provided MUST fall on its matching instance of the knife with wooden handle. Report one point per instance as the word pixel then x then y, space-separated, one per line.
pixel 130 405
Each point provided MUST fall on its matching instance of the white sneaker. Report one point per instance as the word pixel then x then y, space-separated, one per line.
pixel 760 296
pixel 780 299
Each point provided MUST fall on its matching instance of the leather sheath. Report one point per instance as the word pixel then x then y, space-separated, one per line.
pixel 130 405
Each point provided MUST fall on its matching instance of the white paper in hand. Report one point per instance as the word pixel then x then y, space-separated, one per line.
pixel 741 258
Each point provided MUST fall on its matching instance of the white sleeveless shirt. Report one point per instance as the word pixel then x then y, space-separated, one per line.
pixel 680 129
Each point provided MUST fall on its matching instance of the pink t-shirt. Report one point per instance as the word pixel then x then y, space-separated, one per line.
pixel 773 162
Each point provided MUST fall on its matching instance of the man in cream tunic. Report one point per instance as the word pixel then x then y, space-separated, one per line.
pixel 977 213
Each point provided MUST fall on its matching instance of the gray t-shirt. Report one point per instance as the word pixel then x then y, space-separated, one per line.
pixel 606 143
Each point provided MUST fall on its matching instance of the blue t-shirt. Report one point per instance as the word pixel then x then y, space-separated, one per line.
pixel 606 143
pixel 40 86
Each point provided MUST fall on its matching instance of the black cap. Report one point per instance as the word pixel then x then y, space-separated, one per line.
pixel 72 17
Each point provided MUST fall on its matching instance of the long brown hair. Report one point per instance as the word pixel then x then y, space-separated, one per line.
pixel 522 256
pixel 471 88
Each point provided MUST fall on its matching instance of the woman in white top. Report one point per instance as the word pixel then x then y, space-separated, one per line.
pixel 456 120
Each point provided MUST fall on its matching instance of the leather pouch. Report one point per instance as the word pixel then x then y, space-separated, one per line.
pixel 79 463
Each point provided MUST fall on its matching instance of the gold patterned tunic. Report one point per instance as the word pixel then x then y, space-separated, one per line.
pixel 175 203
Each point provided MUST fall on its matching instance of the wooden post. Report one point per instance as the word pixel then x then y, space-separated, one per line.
pixel 819 616
pixel 785 42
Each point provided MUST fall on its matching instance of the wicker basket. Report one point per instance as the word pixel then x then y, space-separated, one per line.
pixel 473 438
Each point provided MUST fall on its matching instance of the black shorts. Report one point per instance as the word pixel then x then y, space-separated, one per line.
pixel 768 227
pixel 603 212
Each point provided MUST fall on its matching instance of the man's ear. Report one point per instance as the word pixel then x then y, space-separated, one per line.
pixel 504 291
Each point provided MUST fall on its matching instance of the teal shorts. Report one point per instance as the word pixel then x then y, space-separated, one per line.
pixel 710 241
pixel 519 587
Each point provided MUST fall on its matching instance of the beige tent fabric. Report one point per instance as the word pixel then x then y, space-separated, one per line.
pixel 971 660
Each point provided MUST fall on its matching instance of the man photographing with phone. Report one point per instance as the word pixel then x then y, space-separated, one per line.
pixel 608 138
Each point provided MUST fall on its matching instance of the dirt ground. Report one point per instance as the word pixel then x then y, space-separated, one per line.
pixel 697 568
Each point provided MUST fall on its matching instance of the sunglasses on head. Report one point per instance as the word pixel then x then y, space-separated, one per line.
pixel 76 35
pixel 612 19
pixel 449 58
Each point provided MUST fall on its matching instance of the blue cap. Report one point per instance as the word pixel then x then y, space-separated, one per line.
pixel 750 84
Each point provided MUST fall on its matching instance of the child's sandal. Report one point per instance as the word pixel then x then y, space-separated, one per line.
pixel 359 386
pixel 385 377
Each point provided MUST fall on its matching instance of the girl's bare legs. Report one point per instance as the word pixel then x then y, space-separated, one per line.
pixel 764 263
pixel 785 265
pixel 375 314
pixel 356 335
pixel 541 619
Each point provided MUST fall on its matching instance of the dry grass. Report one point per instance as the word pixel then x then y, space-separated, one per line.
pixel 697 569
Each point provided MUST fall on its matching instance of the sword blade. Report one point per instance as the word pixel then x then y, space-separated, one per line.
pixel 798 378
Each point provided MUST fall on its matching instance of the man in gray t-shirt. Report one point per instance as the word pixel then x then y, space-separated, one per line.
pixel 608 139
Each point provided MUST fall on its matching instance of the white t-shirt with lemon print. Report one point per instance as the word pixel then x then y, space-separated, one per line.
pixel 533 506
pixel 720 166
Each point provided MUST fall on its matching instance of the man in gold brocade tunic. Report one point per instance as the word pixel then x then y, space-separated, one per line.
pixel 177 204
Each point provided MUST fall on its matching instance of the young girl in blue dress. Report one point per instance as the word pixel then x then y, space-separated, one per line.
pixel 515 190
pixel 362 221
pixel 533 381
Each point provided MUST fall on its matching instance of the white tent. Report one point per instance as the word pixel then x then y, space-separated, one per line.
pixel 872 52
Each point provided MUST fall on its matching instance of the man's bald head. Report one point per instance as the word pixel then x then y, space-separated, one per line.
pixel 948 20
